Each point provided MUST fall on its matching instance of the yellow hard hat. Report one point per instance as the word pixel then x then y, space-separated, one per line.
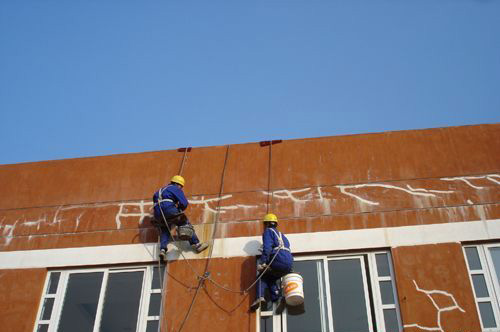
pixel 178 179
pixel 270 217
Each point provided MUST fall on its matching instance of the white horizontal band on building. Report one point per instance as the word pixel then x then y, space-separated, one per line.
pixel 249 246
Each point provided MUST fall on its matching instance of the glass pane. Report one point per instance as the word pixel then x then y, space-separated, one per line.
pixel 480 285
pixel 308 317
pixel 495 257
pixel 266 324
pixel 42 328
pixel 386 292
pixel 487 316
pixel 473 258
pixel 121 304
pixel 154 304
pixel 157 277
pixel 53 282
pixel 382 265
pixel 80 302
pixel 48 304
pixel 348 296
pixel 391 320
pixel 152 326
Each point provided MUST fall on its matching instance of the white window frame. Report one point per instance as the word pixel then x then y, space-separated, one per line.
pixel 280 321
pixel 60 294
pixel 490 277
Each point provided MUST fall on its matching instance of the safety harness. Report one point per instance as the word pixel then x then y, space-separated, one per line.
pixel 281 243
pixel 161 199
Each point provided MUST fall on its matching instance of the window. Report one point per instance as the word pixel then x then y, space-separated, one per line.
pixel 483 262
pixel 107 299
pixel 342 294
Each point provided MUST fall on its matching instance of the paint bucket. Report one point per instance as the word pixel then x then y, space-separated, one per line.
pixel 185 232
pixel 293 289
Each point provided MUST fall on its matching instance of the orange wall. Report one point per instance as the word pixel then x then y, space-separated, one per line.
pixel 330 183
pixel 20 292
pixel 440 273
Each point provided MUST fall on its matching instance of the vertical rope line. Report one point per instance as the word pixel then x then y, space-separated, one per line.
pixel 183 159
pixel 270 196
pixel 217 215
pixel 163 281
pixel 206 274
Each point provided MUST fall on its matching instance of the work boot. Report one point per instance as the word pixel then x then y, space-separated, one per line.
pixel 199 247
pixel 163 254
pixel 281 306
pixel 257 303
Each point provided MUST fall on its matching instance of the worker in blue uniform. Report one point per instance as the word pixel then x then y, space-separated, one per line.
pixel 169 205
pixel 276 261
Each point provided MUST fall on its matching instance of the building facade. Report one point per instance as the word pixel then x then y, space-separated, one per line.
pixel 393 231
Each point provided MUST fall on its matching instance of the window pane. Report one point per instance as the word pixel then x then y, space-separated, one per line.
pixel 495 257
pixel 487 316
pixel 480 285
pixel 152 326
pixel 386 292
pixel 308 317
pixel 53 282
pixel 121 304
pixel 154 304
pixel 473 258
pixel 48 304
pixel 382 265
pixel 42 328
pixel 348 296
pixel 80 302
pixel 391 320
pixel 156 277
pixel 266 324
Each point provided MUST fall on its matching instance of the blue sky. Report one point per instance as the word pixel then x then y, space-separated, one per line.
pixel 90 78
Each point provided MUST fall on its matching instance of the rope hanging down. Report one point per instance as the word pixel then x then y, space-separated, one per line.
pixel 162 285
pixel 206 273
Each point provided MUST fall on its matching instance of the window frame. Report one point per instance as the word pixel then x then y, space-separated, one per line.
pixel 370 285
pixel 489 273
pixel 146 293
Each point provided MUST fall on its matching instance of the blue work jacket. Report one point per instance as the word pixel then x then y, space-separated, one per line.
pixel 172 200
pixel 284 258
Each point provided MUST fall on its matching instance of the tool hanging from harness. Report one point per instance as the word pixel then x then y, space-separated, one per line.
pixel 184 230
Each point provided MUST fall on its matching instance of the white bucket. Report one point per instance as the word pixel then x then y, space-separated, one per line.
pixel 293 289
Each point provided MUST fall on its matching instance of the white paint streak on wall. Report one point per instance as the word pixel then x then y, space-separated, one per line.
pixel 429 294
pixel 492 176
pixel 324 202
pixel 409 190
pixel 343 188
pixel 465 179
pixel 429 190
pixel 8 230
pixel 222 209
pixel 122 211
pixel 289 194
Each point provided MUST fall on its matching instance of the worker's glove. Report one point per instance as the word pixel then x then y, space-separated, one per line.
pixel 261 267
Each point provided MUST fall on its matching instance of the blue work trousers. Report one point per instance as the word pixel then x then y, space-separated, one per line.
pixel 270 281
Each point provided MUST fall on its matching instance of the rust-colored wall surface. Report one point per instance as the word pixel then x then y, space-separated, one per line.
pixel 20 292
pixel 435 273
pixel 391 179
pixel 214 309
pixel 332 183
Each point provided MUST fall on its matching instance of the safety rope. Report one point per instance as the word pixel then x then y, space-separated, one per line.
pixel 270 193
pixel 206 275
pixel 183 159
